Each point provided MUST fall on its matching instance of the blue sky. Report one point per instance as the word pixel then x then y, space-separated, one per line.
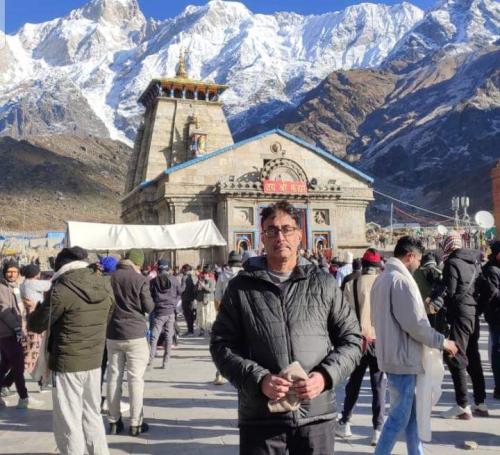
pixel 19 12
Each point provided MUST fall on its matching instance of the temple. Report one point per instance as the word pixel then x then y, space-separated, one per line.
pixel 186 167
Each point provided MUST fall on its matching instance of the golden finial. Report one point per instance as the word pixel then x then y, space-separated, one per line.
pixel 181 68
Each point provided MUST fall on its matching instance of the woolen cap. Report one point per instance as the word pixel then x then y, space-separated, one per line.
pixel 234 257
pixel 136 256
pixel 371 258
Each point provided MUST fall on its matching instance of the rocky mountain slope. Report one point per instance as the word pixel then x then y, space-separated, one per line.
pixel 427 120
pixel 84 72
pixel 47 180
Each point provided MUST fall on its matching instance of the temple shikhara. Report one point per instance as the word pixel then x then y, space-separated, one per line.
pixel 186 167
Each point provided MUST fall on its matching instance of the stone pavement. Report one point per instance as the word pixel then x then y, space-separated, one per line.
pixel 189 415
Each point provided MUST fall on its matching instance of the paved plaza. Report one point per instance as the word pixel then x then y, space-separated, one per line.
pixel 188 415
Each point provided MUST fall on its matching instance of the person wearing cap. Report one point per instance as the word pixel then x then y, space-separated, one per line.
pixel 127 345
pixel 166 292
pixel 12 333
pixel 490 295
pixel 357 294
pixel 75 314
pixel 234 267
pixel 205 309
pixel 283 313
pixel 461 270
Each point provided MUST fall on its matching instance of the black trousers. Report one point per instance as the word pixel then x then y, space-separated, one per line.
pixel 313 439
pixel 189 314
pixel 464 330
pixel 378 381
pixel 13 360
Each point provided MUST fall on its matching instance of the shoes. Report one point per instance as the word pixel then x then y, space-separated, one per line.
pixel 201 333
pixel 116 427
pixel 23 403
pixel 375 438
pixel 6 392
pixel 480 410
pixel 164 365
pixel 137 430
pixel 343 430
pixel 457 412
pixel 3 404
pixel 219 380
pixel 45 388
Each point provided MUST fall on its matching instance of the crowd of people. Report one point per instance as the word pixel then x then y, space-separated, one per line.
pixel 286 328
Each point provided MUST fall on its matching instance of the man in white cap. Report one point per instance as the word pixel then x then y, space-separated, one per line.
pixel 346 269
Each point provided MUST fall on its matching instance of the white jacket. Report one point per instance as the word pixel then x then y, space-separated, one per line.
pixel 400 321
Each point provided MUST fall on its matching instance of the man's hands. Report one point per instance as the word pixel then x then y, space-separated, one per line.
pixel 311 387
pixel 274 387
pixel 450 347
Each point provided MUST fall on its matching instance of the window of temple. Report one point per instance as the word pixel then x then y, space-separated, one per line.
pixel 189 95
pixel 201 96
pixel 177 93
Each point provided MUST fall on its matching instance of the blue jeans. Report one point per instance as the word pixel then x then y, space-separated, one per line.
pixel 402 416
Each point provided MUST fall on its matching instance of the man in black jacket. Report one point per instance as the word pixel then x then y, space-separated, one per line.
pixel 126 341
pixel 461 270
pixel 491 299
pixel 166 292
pixel 188 296
pixel 278 310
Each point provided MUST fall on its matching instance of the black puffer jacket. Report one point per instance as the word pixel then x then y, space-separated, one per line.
pixel 261 330
pixel 491 292
pixel 460 273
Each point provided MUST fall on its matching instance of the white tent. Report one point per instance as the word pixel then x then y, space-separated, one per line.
pixel 182 236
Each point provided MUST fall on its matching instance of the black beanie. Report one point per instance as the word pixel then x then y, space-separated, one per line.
pixel 9 264
pixel 68 255
pixel 30 271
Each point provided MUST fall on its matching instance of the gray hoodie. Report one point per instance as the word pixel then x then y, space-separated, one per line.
pixel 400 321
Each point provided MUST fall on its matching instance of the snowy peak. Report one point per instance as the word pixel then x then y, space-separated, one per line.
pixel 453 25
pixel 119 12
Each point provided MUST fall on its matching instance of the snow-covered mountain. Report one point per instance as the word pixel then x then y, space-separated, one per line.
pixel 451 27
pixel 84 72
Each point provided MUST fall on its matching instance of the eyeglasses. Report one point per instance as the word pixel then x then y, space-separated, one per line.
pixel 273 231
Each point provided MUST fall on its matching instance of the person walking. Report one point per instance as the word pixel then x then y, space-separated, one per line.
pixel 285 339
pixel 12 334
pixel 188 298
pixel 166 292
pixel 402 330
pixel 357 294
pixel 75 315
pixel 461 270
pixel 128 348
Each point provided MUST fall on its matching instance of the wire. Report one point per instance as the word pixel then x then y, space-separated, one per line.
pixel 414 206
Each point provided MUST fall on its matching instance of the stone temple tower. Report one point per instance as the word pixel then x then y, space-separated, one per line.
pixel 183 120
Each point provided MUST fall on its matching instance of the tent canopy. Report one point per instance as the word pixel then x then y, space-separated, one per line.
pixel 182 236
